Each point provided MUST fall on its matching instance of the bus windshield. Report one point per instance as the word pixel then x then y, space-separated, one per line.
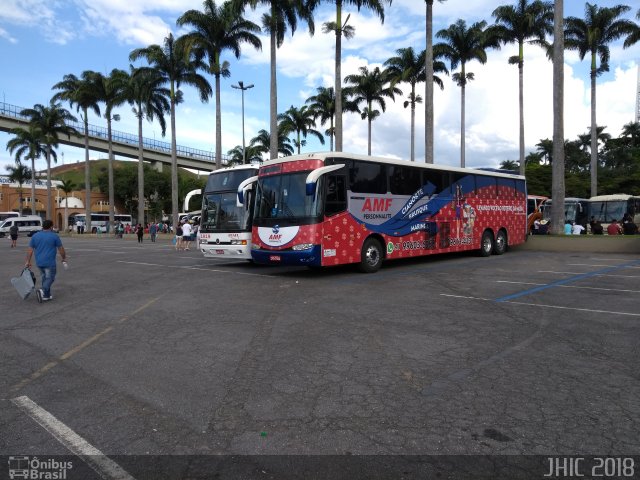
pixel 283 197
pixel 606 212
pixel 220 213
pixel 227 180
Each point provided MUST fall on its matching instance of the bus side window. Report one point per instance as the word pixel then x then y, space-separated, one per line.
pixel 336 194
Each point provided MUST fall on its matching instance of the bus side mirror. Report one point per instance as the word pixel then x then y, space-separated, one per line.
pixel 312 178
pixel 243 188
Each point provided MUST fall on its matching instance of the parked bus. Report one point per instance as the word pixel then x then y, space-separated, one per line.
pixel 575 210
pixel 225 224
pixel 606 208
pixel 99 220
pixel 534 202
pixel 327 209
pixel 5 215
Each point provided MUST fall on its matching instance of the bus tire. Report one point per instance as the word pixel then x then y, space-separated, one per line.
pixel 501 243
pixel 486 244
pixel 371 256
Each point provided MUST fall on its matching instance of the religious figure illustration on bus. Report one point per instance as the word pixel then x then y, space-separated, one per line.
pixel 469 216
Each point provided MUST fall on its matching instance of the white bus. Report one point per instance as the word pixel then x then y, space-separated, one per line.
pixel 225 224
pixel 606 208
pixel 99 221
pixel 5 215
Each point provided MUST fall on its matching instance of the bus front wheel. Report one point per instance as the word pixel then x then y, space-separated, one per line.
pixel 486 245
pixel 371 256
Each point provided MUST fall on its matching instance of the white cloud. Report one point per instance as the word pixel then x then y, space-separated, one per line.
pixel 4 34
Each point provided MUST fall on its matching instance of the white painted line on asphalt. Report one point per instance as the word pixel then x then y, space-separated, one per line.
pixel 103 465
pixel 573 286
pixel 593 275
pixel 543 305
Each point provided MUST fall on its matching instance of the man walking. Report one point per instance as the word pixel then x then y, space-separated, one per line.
pixel 45 244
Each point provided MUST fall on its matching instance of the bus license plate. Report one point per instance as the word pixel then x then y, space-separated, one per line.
pixel 220 252
pixel 274 258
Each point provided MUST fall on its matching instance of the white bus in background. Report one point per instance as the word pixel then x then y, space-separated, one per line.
pixel 5 215
pixel 606 208
pixel 225 224
pixel 99 221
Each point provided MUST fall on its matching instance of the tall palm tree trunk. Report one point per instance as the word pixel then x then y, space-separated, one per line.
pixel 557 179
pixel 338 77
pixel 428 95
pixel 594 133
pixel 140 168
pixel 219 123
pixel 521 104
pixel 174 163
pixel 331 134
pixel 273 104
pixel 33 185
pixel 413 122
pixel 48 157
pixel 110 177
pixel 87 175
pixel 462 119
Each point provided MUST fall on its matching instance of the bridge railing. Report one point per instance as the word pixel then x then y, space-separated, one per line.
pixel 13 111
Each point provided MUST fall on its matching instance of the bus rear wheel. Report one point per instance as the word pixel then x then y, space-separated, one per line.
pixel 501 243
pixel 486 245
pixel 371 256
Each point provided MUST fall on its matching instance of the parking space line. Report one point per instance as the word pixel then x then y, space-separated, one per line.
pixel 541 305
pixel 68 354
pixel 575 278
pixel 573 286
pixel 592 265
pixel 98 461
pixel 594 274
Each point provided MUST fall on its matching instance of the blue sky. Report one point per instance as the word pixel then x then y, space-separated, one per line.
pixel 42 40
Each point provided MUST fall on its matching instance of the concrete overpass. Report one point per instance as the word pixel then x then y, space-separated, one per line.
pixel 124 144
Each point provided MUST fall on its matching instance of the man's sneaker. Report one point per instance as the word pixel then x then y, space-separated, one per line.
pixel 39 295
pixel 46 299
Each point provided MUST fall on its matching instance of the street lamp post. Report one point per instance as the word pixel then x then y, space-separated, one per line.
pixel 243 87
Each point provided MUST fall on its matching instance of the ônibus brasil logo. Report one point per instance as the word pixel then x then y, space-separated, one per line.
pixel 35 468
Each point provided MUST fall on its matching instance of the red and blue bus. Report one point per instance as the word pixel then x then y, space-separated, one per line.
pixel 325 209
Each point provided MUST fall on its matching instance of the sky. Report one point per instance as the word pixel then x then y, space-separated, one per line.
pixel 42 40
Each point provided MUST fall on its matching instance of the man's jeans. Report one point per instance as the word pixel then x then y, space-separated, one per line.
pixel 48 276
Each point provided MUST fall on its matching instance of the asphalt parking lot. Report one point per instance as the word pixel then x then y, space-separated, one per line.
pixel 146 352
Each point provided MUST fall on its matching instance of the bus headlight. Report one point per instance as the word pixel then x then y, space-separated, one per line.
pixel 302 246
pixel 238 242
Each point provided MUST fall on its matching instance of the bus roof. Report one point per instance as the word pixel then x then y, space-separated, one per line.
pixel 389 161
pixel 607 198
pixel 246 166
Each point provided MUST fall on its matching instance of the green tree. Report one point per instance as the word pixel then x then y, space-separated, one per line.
pixel 51 121
pixel 592 35
pixel 67 187
pixel 83 93
pixel 28 144
pixel 340 28
pixel 237 155
pixel 145 92
pixel 282 15
pixel 410 67
pixel 462 45
pixel 509 165
pixel 301 121
pixel 174 64
pixel 215 30
pixel 323 106
pixel 262 143
pixel 528 22
pixel 634 35
pixel 428 94
pixel 19 174
pixel 367 87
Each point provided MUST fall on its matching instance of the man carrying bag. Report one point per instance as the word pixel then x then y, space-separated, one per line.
pixel 45 244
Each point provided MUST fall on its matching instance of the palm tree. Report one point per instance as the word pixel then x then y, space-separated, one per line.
pixel 525 22
pixel 557 169
pixel 215 30
pixel 428 94
pixel 600 27
pixel 368 87
pixel 28 144
pixel 463 45
pixel 83 92
pixel 149 99
pixel 251 153
pixel 301 121
pixel 341 28
pixel 51 121
pixel 262 143
pixel 173 63
pixel 409 67
pixel 19 173
pixel 67 187
pixel 634 36
pixel 323 106
pixel 282 14
pixel 545 150
pixel 631 131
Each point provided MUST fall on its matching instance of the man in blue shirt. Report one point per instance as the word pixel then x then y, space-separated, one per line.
pixel 45 244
